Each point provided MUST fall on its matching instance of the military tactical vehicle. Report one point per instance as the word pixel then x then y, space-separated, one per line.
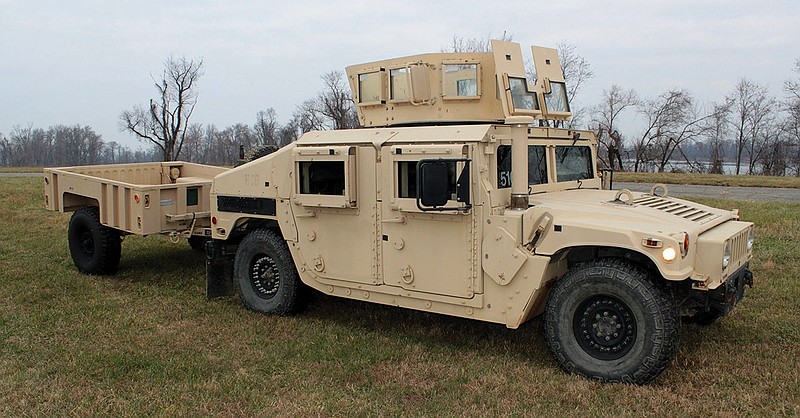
pixel 463 194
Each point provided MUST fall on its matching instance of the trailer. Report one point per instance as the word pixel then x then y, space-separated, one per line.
pixel 111 201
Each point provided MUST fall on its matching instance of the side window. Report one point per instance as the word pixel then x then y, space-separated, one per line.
pixel 460 81
pixel 522 99
pixel 407 179
pixel 322 177
pixel 370 88
pixel 504 166
pixel 398 84
pixel 556 100
pixel 325 176
pixel 537 165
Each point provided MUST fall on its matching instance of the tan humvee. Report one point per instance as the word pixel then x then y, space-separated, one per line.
pixel 461 196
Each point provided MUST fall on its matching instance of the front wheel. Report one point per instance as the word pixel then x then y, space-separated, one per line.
pixel 607 320
pixel 265 274
pixel 94 247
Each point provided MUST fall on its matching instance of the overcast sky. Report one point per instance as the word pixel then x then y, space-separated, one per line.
pixel 83 62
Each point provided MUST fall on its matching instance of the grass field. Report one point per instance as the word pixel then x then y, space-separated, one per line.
pixel 146 342
pixel 709 179
pixel 20 169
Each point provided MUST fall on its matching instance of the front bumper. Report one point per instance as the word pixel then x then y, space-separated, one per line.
pixel 727 295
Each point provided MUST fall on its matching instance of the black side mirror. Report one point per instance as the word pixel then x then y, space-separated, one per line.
pixel 436 184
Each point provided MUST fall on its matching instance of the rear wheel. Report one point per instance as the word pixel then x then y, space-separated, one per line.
pixel 266 275
pixel 607 320
pixel 94 247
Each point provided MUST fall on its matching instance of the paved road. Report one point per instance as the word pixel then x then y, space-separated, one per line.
pixel 759 194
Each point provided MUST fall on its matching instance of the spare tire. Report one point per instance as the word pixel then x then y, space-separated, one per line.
pixel 257 152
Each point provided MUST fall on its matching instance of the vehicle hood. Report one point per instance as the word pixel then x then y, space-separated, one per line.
pixel 644 212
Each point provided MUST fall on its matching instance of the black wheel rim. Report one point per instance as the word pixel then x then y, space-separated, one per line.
pixel 264 276
pixel 86 242
pixel 604 327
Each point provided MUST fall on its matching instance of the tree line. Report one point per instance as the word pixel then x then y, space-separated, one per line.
pixel 748 129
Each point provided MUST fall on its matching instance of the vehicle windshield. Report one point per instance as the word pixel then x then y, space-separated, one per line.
pixel 573 163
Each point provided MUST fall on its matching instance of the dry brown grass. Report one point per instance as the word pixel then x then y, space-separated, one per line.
pixel 709 179
pixel 147 342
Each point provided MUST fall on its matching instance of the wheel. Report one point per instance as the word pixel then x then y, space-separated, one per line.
pixel 94 247
pixel 606 320
pixel 705 318
pixel 197 243
pixel 256 153
pixel 265 274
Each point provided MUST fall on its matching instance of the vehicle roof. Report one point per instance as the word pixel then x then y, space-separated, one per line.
pixel 389 135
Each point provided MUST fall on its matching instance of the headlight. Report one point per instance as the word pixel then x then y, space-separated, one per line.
pixel 668 254
pixel 726 256
pixel 751 238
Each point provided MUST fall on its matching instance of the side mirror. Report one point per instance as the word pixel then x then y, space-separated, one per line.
pixel 433 187
pixel 437 182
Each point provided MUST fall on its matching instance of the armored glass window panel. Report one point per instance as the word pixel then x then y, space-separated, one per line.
pixel 369 87
pixel 556 100
pixel 192 196
pixel 573 163
pixel 407 179
pixel 398 84
pixel 504 166
pixel 460 80
pixel 522 98
pixel 537 164
pixel 322 177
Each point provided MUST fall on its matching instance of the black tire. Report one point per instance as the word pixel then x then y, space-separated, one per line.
pixel 266 276
pixel 606 320
pixel 197 243
pixel 94 247
pixel 256 153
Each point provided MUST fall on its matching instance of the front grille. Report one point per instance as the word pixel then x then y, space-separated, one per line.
pixel 739 246
pixel 678 209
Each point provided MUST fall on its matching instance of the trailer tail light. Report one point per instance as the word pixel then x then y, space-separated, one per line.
pixel 214 220
pixel 136 198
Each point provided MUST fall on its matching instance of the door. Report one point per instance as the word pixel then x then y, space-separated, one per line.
pixel 426 251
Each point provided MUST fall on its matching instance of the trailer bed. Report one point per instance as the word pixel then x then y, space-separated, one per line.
pixel 139 198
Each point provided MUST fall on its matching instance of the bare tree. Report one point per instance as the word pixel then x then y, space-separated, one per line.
pixel 672 120
pixel 792 125
pixel 716 136
pixel 165 121
pixel 752 110
pixel 333 108
pixel 462 44
pixel 266 127
pixel 577 71
pixel 605 120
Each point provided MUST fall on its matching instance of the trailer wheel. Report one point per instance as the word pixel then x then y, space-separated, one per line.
pixel 606 320
pixel 266 275
pixel 94 247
